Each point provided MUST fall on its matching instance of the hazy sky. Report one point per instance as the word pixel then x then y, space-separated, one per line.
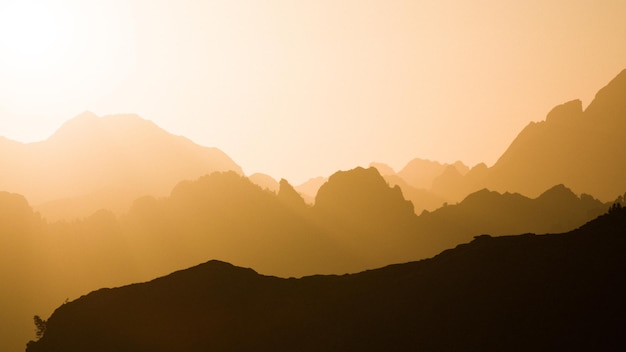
pixel 298 89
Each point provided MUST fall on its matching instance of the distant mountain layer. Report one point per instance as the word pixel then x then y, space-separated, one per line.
pixel 225 216
pixel 517 293
pixel 119 154
pixel 581 149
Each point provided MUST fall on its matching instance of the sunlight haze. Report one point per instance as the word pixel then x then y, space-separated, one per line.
pixel 299 89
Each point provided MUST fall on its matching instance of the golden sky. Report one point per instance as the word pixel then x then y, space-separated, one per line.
pixel 298 89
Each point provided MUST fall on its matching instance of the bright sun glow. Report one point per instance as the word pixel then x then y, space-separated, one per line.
pixel 60 52
pixel 30 35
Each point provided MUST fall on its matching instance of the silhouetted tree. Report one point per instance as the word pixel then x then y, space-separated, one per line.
pixel 615 208
pixel 40 326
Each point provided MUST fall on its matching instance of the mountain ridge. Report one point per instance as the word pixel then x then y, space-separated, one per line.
pixel 117 152
pixel 572 146
pixel 547 292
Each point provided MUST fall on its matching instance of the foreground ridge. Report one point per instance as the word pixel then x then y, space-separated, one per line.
pixel 524 292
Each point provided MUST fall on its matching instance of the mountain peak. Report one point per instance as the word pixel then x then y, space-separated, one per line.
pixel 361 194
pixel 89 153
pixel 88 124
pixel 609 101
pixel 566 111
pixel 558 194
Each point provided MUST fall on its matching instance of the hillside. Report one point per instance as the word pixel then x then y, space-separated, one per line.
pixel 576 147
pixel 514 293
pixel 556 210
pixel 90 158
pixel 358 223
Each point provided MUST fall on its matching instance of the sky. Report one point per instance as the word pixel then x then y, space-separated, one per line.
pixel 299 89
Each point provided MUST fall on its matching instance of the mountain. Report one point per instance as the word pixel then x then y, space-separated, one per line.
pixel 383 169
pixel 420 173
pixel 488 212
pixel 264 181
pixel 309 189
pixel 362 199
pixel 512 293
pixel 573 146
pixel 576 147
pixel 454 186
pixel 89 156
pixel 422 199
pixel 359 223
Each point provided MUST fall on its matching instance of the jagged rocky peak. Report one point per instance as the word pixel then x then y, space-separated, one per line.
pixel 289 196
pixel 568 111
pixel 361 188
pixel 610 102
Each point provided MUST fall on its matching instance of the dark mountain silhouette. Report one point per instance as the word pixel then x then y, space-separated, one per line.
pixel 119 154
pixel 360 219
pixel 358 223
pixel 511 293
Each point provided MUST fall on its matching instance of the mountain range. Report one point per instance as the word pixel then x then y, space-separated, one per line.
pixel 574 146
pixel 91 163
pixel 510 293
pixel 226 216
pixel 577 147
pixel 134 202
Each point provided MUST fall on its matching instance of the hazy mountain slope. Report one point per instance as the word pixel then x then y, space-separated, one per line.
pixel 362 200
pixel 117 201
pixel 420 173
pixel 227 217
pixel 309 189
pixel 581 149
pixel 358 222
pixel 22 270
pixel 422 199
pixel 551 292
pixel 89 155
pixel 360 211
pixel 43 264
pixel 454 186
pixel 264 181
pixel 489 212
